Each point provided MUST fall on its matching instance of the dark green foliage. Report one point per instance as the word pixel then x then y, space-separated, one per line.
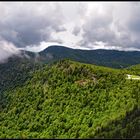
pixel 15 72
pixel 72 100
pixel 109 58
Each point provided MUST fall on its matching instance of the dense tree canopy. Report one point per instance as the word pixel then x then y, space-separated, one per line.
pixel 68 99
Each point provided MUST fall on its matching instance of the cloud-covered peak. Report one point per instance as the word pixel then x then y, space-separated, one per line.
pixel 86 25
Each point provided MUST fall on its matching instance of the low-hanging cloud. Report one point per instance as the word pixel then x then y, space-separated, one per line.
pixel 7 49
pixel 79 24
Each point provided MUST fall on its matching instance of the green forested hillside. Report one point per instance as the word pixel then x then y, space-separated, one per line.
pixel 72 100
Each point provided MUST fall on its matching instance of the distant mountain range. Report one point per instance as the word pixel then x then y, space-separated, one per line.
pixel 108 58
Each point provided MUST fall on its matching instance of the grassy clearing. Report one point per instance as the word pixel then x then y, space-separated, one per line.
pixel 134 77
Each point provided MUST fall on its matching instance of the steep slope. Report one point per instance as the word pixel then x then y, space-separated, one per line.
pixel 109 58
pixel 72 100
pixel 17 70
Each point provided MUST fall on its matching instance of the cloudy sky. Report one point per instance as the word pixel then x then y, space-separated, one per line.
pixel 84 25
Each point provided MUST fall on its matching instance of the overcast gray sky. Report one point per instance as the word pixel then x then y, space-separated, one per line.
pixel 84 25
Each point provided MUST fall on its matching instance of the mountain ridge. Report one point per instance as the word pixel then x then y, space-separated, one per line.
pixel 109 58
pixel 70 99
pixel 101 57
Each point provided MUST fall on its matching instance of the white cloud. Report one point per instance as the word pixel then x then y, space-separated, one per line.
pixel 7 49
pixel 43 45
pixel 35 25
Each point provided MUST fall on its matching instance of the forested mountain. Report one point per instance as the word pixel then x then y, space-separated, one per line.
pixel 109 58
pixel 68 99
pixel 16 70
